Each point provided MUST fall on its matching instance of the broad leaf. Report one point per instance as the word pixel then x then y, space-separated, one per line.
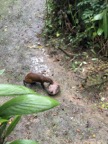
pixel 27 104
pixel 23 142
pixel 100 31
pixel 9 90
pixel 12 126
pixel 2 71
pixel 98 17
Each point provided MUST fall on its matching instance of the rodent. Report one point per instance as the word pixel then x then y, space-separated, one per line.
pixel 32 78
pixel 53 89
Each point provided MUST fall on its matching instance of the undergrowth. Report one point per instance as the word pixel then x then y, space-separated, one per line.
pixel 78 23
pixel 80 26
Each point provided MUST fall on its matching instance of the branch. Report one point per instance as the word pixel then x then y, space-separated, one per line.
pixel 67 53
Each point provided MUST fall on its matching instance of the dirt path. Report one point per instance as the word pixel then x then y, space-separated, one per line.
pixel 75 121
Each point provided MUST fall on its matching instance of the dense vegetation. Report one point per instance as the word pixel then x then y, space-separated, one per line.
pixel 84 23
pixel 79 28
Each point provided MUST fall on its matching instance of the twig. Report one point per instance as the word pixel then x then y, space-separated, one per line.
pixel 67 53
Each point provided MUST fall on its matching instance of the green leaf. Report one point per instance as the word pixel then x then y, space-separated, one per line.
pixel 27 104
pixel 23 142
pixel 105 23
pixel 94 34
pixel 98 17
pixel 12 126
pixel 99 31
pixel 2 129
pixel 9 90
pixel 94 59
pixel 2 71
pixel 3 120
pixel 57 34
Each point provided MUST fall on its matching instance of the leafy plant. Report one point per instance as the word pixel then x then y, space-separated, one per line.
pixel 25 102
pixel 23 142
pixel 102 19
pixel 79 23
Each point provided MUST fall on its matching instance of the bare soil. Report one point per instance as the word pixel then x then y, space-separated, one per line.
pixel 77 120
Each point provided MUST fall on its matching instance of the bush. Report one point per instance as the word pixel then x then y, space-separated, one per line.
pixel 82 22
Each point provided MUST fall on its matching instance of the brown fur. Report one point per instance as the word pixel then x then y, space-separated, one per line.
pixel 31 78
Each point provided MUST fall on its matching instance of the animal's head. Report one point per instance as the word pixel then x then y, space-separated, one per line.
pixel 53 89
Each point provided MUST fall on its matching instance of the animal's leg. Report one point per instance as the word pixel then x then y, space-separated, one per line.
pixel 42 85
pixel 24 82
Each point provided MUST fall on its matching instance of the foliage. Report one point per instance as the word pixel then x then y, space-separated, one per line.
pixel 82 22
pixel 23 142
pixel 104 105
pixel 25 102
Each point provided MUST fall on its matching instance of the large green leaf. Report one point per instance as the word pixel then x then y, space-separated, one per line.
pixel 27 104
pixel 9 90
pixel 12 126
pixel 23 142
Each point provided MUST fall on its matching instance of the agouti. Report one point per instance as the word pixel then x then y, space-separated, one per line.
pixel 53 89
pixel 32 78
